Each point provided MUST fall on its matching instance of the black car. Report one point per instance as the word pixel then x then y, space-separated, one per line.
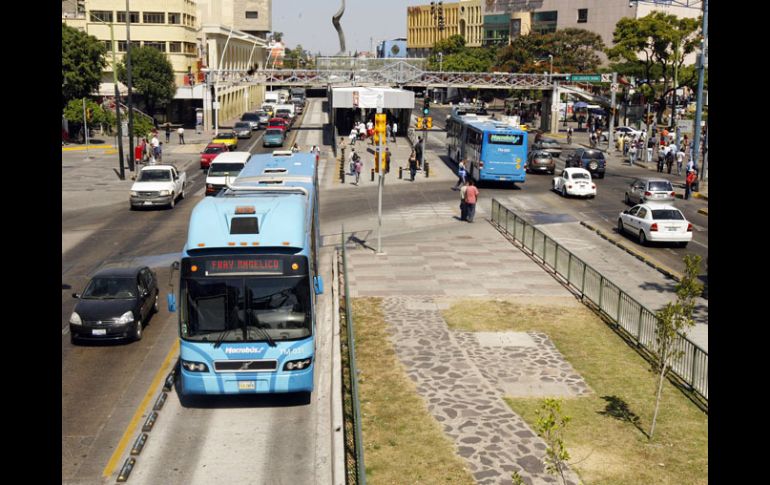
pixel 115 304
pixel 589 159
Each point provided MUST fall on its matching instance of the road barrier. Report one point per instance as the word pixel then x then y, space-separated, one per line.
pixel 637 322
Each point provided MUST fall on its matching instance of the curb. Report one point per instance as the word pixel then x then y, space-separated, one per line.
pixel 89 147
pixel 641 257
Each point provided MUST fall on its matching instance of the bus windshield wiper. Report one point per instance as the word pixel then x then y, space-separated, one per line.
pixel 221 337
pixel 261 330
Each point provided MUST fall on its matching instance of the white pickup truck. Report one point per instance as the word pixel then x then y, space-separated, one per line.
pixel 158 185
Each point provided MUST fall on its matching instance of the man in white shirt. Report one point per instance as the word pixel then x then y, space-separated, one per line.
pixel 395 131
pixel 155 144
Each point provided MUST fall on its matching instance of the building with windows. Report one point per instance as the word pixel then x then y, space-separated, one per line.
pixel 170 26
pixel 253 17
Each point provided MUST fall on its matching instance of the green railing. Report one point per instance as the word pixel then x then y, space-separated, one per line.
pixel 637 321
pixel 359 470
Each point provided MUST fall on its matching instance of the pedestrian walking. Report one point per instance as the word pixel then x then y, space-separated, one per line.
pixel 418 152
pixel 669 160
pixel 388 132
pixel 569 136
pixel 650 146
pixel 155 149
pixel 168 132
pixel 352 137
pixel 362 131
pixel 689 182
pixel 463 206
pixel 354 157
pixel 295 148
pixel 471 196
pixel 461 175
pixel 395 131
pixel 632 152
pixel 679 161
pixel 180 132
pixel 413 164
pixel 357 169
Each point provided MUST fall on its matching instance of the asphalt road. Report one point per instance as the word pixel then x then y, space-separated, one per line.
pixel 259 439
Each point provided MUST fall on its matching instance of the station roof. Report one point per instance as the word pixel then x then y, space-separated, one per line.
pixel 372 97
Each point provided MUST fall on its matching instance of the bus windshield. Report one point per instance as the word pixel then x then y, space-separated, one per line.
pixel 247 309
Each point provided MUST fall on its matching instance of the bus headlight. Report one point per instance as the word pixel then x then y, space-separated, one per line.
pixel 195 366
pixel 75 319
pixel 298 364
pixel 127 317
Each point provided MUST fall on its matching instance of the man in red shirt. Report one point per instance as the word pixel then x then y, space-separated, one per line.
pixel 471 196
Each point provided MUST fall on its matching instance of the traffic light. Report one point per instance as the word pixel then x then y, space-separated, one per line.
pixel 89 114
pixel 429 122
pixel 386 161
pixel 419 123
pixel 380 128
pixel 426 106
pixel 377 161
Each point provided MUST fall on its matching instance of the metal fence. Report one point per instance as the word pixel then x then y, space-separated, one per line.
pixel 360 469
pixel 637 321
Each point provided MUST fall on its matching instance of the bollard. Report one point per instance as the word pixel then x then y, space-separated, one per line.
pixel 427 169
pixel 372 175
pixel 400 173
pixel 342 165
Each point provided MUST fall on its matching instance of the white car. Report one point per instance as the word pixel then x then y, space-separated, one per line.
pixel 656 223
pixel 575 181
pixel 625 130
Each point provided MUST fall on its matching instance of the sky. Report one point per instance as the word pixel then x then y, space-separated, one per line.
pixel 309 23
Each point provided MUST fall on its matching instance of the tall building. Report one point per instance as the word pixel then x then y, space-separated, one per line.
pixel 170 26
pixel 254 17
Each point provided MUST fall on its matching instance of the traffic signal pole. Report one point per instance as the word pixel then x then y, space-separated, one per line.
pixel 380 131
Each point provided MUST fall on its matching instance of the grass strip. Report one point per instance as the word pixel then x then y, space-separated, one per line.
pixel 607 437
pixel 403 443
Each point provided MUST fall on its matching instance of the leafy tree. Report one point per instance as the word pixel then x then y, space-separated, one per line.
pixel 152 76
pixel 672 319
pixel 550 426
pixel 573 51
pixel 277 36
pixel 652 47
pixel 96 115
pixel 457 57
pixel 82 62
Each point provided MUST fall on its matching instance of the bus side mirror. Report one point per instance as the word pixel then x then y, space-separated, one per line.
pixel 318 284
pixel 171 301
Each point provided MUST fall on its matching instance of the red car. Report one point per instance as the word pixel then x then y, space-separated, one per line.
pixel 210 153
pixel 278 123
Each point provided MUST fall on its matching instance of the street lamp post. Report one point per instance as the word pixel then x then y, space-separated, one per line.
pixel 128 98
pixel 699 103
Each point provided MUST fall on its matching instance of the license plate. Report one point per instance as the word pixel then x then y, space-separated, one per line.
pixel 672 229
pixel 247 385
pixel 99 331
pixel 147 202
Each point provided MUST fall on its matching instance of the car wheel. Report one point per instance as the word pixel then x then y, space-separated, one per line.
pixel 563 191
pixel 73 340
pixel 683 244
pixel 181 194
pixel 601 175
pixel 138 330
pixel 642 238
pixel 621 229
pixel 173 201
pixel 155 306
pixel 131 207
pixel 627 201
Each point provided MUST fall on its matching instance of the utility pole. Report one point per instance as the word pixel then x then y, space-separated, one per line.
pixel 612 112
pixel 699 103
pixel 128 98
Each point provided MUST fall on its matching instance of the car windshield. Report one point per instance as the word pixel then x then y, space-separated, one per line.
pixel 667 214
pixel 248 117
pixel 213 150
pixel 242 126
pixel 549 143
pixel 110 288
pixel 580 175
pixel 661 186
pixel 225 169
pixel 154 176
pixel 226 135
pixel 273 132
pixel 249 309
pixel 542 155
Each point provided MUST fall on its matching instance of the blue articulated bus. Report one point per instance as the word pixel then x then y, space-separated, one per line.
pixel 494 150
pixel 248 282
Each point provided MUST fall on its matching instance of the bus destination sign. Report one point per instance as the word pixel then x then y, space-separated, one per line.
pixel 243 265
pixel 500 139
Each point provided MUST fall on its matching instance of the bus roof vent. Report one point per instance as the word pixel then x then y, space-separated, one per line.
pixel 244 225
pixel 274 170
pixel 282 153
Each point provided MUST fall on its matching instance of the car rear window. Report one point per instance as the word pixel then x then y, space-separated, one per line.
pixel 593 155
pixel 662 185
pixel 222 169
pixel 213 150
pixel 242 125
pixel 249 117
pixel 667 214
pixel 580 175
pixel 273 132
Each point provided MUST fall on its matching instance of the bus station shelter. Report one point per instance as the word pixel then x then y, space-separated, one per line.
pixel 351 104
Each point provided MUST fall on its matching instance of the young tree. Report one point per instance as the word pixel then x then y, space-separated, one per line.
pixel 672 319
pixel 550 426
pixel 152 76
pixel 653 47
pixel 82 62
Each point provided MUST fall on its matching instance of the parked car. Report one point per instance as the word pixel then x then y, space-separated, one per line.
pixel 589 159
pixel 656 222
pixel 644 190
pixel 115 304
pixel 228 138
pixel 540 161
pixel 210 153
pixel 274 137
pixel 252 119
pixel 574 181
pixel 242 129
pixel 625 130
pixel 548 144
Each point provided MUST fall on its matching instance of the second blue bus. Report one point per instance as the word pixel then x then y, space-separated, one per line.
pixel 493 150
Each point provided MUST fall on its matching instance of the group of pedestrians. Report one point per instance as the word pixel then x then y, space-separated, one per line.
pixel 362 131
